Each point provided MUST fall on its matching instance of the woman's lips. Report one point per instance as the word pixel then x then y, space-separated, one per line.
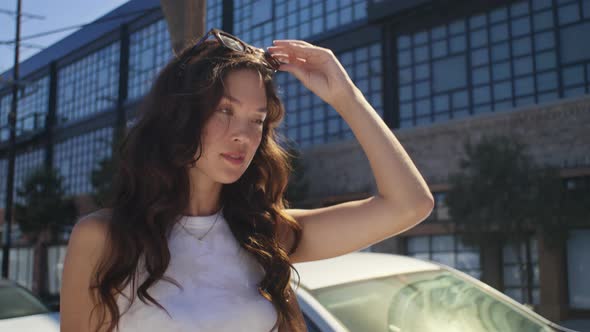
pixel 232 160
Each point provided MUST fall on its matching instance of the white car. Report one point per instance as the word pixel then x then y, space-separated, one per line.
pixel 358 292
pixel 20 310
pixel 373 292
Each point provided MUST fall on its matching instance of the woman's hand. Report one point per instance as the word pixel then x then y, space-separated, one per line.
pixel 317 68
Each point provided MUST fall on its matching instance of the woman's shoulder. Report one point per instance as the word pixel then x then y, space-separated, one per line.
pixel 91 230
pixel 101 215
pixel 86 246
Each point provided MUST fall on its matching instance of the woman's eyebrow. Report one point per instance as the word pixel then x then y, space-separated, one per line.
pixel 234 99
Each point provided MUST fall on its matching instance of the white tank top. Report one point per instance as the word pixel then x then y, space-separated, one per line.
pixel 219 280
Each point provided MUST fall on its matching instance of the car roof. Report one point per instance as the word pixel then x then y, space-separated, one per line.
pixel 355 267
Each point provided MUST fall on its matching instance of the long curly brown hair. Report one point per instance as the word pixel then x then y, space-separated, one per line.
pixel 151 185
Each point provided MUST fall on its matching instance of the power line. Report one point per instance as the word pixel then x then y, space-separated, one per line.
pixel 9 12
pixel 101 20
pixel 29 45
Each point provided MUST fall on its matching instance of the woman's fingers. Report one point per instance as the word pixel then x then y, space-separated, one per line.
pixel 286 58
pixel 291 41
pixel 299 48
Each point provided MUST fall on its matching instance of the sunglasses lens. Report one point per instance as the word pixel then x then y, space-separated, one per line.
pixel 232 43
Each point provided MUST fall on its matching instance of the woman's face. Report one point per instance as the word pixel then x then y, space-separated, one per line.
pixel 232 134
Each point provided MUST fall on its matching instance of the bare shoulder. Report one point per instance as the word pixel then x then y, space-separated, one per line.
pixel 86 247
pixel 90 232
pixel 95 221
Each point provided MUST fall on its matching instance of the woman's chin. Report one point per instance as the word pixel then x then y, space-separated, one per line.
pixel 229 179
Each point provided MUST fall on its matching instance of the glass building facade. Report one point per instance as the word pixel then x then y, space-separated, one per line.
pixel 3 180
pixel 149 51
pixel 258 22
pixel 88 85
pixel 5 106
pixel 512 55
pixel 33 101
pixel 519 54
pixel 25 163
pixel 77 157
pixel 446 249
pixel 578 265
pixel 520 271
pixel 214 14
pixel 309 120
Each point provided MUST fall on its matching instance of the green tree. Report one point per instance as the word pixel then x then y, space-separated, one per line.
pixel 101 179
pixel 45 212
pixel 298 186
pixel 101 176
pixel 501 195
pixel 46 207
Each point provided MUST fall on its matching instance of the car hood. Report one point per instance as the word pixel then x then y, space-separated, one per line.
pixel 355 267
pixel 35 323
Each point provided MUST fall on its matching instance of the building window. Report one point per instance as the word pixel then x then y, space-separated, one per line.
pixel 448 74
pixel 89 85
pixel 520 263
pixel 578 249
pixel 56 255
pixel 446 249
pixel 20 263
pixel 578 268
pixel 25 163
pixel 254 23
pixel 501 59
pixel 3 179
pixel 440 212
pixel 77 157
pixel 214 14
pixel 5 101
pixel 32 105
pixel 149 51
pixel 311 121
pixel 261 11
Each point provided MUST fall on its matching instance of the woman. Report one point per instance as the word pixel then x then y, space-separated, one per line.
pixel 198 228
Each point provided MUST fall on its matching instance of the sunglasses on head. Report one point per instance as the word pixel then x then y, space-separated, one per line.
pixel 232 42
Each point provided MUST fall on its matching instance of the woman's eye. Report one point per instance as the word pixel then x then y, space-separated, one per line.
pixel 260 122
pixel 225 110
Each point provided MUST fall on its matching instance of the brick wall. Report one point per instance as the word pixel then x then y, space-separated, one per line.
pixel 556 133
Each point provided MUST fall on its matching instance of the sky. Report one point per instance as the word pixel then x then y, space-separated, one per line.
pixel 57 14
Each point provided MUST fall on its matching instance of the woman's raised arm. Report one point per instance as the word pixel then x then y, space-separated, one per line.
pixel 403 198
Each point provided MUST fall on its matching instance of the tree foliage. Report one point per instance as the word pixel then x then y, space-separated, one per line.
pixel 501 194
pixel 101 179
pixel 298 186
pixel 46 207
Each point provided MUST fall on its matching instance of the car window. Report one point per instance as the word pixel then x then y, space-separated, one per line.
pixel 426 302
pixel 311 327
pixel 17 302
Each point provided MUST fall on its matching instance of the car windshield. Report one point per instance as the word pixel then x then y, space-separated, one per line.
pixel 423 302
pixel 17 302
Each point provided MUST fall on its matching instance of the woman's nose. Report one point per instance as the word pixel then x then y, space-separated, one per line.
pixel 241 130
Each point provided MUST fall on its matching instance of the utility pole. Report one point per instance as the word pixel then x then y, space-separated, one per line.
pixel 12 151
